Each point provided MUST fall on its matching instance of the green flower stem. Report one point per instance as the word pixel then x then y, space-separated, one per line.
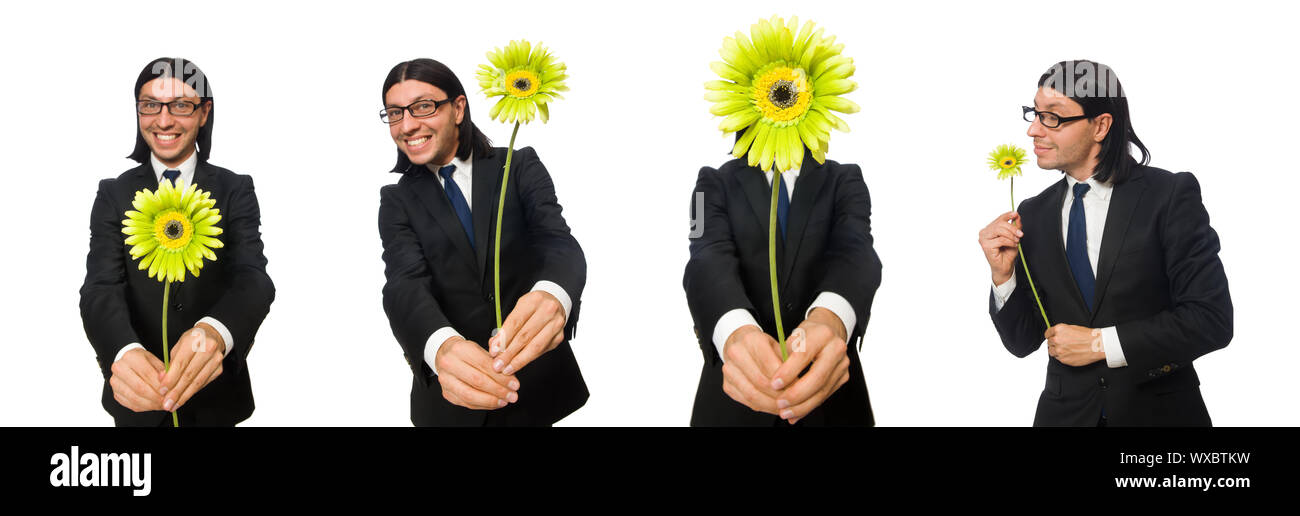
pixel 167 289
pixel 501 208
pixel 771 262
pixel 1025 262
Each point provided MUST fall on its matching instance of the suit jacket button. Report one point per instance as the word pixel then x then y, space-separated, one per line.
pixel 178 307
pixel 1101 382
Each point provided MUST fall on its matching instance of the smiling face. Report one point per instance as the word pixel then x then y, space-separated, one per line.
pixel 432 140
pixel 1073 146
pixel 170 137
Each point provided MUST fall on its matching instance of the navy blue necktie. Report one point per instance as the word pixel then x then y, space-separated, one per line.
pixel 457 201
pixel 1076 246
pixel 782 205
pixel 171 175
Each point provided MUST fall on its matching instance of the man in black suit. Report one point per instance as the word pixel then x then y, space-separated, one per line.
pixel 827 274
pixel 437 225
pixel 1124 259
pixel 213 318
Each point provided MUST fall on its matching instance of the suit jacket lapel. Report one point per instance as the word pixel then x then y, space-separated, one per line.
pixel 204 178
pixel 434 199
pixel 807 189
pixel 757 191
pixel 1055 204
pixel 143 178
pixel 1123 201
pixel 487 179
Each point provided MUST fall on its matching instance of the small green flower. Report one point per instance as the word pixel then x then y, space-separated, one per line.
pixel 173 229
pixel 1006 160
pixel 779 87
pixel 526 77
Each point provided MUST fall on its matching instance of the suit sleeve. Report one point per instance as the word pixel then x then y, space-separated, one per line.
pixel 1019 323
pixel 850 260
pixel 412 311
pixel 712 279
pixel 104 311
pixel 561 258
pixel 1200 320
pixel 247 300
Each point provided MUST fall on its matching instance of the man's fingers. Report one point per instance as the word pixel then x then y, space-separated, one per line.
pixel 538 345
pixel 805 388
pixel 788 373
pixel 838 377
pixel 478 375
pixel 516 319
pixel 739 388
pixel 197 383
pixel 180 359
pixel 127 397
pixel 458 392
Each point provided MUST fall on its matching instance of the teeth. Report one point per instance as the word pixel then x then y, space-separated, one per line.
pixel 166 137
pixel 417 142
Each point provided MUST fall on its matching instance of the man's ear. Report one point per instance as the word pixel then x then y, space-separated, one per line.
pixel 1101 126
pixel 460 108
pixel 207 108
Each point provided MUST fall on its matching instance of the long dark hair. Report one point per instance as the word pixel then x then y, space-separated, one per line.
pixel 188 73
pixel 472 140
pixel 1097 89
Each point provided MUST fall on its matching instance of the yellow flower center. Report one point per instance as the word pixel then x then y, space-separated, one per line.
pixel 522 83
pixel 1008 162
pixel 173 230
pixel 782 93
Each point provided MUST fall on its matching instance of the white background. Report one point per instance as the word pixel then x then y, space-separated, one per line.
pixel 297 91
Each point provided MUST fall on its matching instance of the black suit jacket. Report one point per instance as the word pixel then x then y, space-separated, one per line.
pixel 121 304
pixel 1159 283
pixel 436 279
pixel 828 247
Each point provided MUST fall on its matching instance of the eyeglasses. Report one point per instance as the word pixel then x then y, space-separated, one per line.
pixel 419 109
pixel 175 107
pixel 1049 119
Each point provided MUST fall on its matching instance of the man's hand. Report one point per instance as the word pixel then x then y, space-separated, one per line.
pixel 535 326
pixel 135 381
pixel 1075 345
pixel 822 344
pixel 467 379
pixel 195 362
pixel 999 239
pixel 751 357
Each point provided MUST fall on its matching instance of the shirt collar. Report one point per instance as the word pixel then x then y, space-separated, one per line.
pixel 186 168
pixel 1101 190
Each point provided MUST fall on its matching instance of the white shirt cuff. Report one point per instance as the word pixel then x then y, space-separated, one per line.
pixel 434 343
pixel 1003 292
pixel 1110 345
pixel 559 293
pixel 838 306
pixel 221 330
pixel 128 347
pixel 728 324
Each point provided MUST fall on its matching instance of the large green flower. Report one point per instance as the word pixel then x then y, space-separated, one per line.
pixel 1006 160
pixel 173 229
pixel 526 77
pixel 780 87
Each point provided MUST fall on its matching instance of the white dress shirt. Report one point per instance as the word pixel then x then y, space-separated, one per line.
pixel 463 176
pixel 739 317
pixel 187 177
pixel 1096 204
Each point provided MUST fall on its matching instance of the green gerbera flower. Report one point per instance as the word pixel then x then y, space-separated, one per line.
pixel 526 77
pixel 1006 160
pixel 173 229
pixel 779 87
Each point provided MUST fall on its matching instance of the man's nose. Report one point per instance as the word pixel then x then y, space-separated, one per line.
pixel 1036 128
pixel 165 118
pixel 408 124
